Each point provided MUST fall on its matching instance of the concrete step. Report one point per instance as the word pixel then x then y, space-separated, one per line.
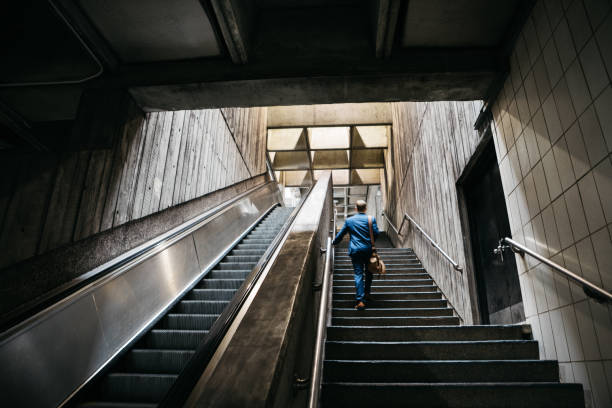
pixel 392 296
pixel 396 269
pixel 441 371
pixel 395 321
pixel 380 250
pixel 400 312
pixel 392 304
pixel 453 395
pixel 377 288
pixel 386 281
pixel 432 350
pixel 441 333
pixel 390 275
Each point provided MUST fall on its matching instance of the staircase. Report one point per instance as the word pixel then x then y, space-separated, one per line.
pixel 408 349
pixel 144 374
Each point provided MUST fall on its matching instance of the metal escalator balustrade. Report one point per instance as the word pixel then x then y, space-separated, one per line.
pixel 146 372
pixel 50 356
pixel 408 349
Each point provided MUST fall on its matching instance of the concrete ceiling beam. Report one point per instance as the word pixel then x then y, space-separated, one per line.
pixel 386 26
pixel 234 18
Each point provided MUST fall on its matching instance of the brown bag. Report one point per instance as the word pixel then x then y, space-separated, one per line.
pixel 375 264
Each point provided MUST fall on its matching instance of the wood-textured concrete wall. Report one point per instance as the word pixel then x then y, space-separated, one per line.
pixel 432 143
pixel 157 160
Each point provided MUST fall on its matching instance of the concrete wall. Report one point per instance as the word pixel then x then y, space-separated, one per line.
pixel 432 143
pixel 49 201
pixel 329 114
pixel 160 160
pixel 553 135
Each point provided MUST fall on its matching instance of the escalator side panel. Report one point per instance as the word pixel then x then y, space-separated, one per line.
pixel 146 371
pixel 49 356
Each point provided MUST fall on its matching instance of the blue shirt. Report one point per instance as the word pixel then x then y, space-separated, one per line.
pixel 357 227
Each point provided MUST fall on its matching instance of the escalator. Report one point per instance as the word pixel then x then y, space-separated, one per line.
pixel 143 375
pixel 140 330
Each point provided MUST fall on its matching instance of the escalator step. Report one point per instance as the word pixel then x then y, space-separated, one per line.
pixel 256 252
pixel 188 321
pixel 110 404
pixel 210 294
pixel 155 361
pixel 228 274
pixel 173 339
pixel 201 306
pixel 220 283
pixel 135 387
pixel 245 266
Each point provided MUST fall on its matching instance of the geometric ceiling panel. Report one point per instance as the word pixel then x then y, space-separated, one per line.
pixel 368 158
pixel 358 191
pixel 336 137
pixel 330 159
pixel 370 136
pixel 365 176
pixel 294 178
pixel 290 161
pixel 340 177
pixel 286 139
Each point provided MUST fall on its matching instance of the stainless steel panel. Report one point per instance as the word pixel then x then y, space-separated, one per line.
pixel 224 229
pixel 58 350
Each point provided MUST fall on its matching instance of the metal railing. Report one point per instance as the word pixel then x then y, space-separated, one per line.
pixel 589 288
pixel 406 217
pixel 317 362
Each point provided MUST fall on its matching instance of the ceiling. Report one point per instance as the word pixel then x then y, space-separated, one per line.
pixel 188 54
pixel 354 154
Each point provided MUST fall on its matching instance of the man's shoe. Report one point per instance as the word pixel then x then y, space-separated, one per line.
pixel 360 306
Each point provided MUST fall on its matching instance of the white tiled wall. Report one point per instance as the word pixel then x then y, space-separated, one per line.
pixel 553 137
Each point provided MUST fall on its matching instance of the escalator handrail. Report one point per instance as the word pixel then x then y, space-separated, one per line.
pixel 54 299
pixel 187 379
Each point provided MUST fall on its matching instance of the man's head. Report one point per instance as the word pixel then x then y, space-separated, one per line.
pixel 361 206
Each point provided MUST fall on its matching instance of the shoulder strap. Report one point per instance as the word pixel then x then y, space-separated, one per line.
pixel 371 232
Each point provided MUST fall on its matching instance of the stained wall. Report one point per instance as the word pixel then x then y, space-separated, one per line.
pixel 432 143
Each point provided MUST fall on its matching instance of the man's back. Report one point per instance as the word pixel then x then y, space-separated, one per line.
pixel 358 228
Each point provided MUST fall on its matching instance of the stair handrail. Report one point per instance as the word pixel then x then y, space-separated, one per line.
pixel 589 288
pixel 317 367
pixel 405 218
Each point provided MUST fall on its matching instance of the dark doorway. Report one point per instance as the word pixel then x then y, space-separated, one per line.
pixel 497 282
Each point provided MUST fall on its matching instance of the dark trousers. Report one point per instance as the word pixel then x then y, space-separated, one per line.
pixel 363 277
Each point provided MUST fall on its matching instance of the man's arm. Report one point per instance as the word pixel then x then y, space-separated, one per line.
pixel 341 234
pixel 375 228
